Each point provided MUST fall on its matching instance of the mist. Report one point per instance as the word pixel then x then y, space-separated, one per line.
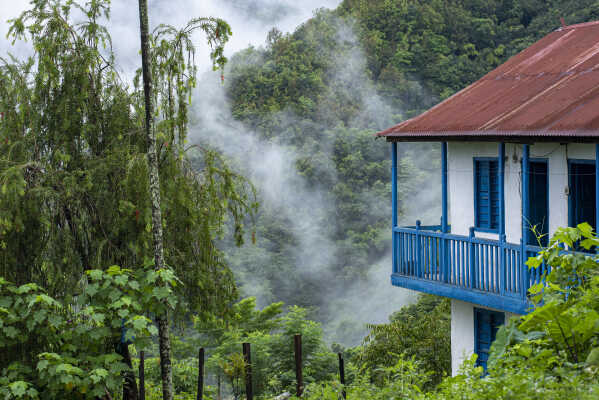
pixel 307 210
pixel 350 303
pixel 250 21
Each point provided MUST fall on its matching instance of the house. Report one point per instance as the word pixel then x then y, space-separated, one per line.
pixel 518 158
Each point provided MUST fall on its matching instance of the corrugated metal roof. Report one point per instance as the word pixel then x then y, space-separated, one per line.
pixel 550 91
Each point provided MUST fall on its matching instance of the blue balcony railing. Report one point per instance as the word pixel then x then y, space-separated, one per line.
pixel 488 272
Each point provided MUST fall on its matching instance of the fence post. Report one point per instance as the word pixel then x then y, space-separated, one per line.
pixel 142 376
pixel 297 342
pixel 201 374
pixel 247 357
pixel 418 251
pixel 342 375
pixel 472 258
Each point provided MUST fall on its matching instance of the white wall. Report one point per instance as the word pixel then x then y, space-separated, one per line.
pixel 461 183
pixel 461 210
pixel 462 332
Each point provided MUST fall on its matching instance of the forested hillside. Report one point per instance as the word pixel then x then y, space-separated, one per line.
pixel 321 92
pixel 283 158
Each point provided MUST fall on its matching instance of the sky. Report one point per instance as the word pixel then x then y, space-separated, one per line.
pixel 250 21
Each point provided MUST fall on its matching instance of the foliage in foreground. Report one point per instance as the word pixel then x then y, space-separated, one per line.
pixel 74 176
pixel 57 350
pixel 421 330
pixel 550 353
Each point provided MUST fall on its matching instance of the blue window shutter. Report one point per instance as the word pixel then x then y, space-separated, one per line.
pixel 486 186
pixel 486 325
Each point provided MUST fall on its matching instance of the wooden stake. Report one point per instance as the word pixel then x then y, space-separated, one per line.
pixel 342 375
pixel 297 341
pixel 142 376
pixel 247 356
pixel 201 374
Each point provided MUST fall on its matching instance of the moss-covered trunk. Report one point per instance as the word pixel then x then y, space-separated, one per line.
pixel 163 334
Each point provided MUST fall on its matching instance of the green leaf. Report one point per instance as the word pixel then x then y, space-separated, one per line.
pixel 18 388
pixel 11 332
pixel 593 357
pixel 121 280
pixel 42 365
pixel 98 317
pixel 585 229
pixel 161 292
pixel 95 274
pixel 92 289
pixel 39 316
pixel 114 270
pixel 139 323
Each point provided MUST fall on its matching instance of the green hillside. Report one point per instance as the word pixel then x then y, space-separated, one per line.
pixel 324 89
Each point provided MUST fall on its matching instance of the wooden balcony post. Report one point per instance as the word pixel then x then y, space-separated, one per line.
pixel 444 217
pixel 472 258
pixel 501 180
pixel 523 270
pixel 444 195
pixel 502 238
pixel 418 251
pixel 597 189
pixel 525 191
pixel 525 215
pixel 394 242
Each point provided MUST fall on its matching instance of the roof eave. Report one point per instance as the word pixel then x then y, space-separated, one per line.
pixel 591 136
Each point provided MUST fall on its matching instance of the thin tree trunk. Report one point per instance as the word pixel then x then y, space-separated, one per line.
pixel 129 384
pixel 218 395
pixel 163 334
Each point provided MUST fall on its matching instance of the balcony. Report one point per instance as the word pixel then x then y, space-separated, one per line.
pixel 490 273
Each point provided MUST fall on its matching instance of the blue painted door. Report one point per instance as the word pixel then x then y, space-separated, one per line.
pixel 486 324
pixel 538 203
pixel 582 193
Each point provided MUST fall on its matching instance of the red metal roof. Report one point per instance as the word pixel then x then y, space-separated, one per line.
pixel 550 91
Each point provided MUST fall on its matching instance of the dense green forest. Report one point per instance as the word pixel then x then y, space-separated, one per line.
pixel 80 294
pixel 320 93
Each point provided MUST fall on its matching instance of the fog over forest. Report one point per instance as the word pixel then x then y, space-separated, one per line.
pixel 344 303
pixel 250 21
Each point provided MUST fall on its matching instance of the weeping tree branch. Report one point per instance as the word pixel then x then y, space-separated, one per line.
pixel 163 328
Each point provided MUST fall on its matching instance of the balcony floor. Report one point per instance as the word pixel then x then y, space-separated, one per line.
pixel 515 305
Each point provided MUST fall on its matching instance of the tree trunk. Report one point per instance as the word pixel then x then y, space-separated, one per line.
pixel 129 384
pixel 163 334
pixel 218 395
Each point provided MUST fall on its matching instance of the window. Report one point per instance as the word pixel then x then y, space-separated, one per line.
pixel 486 194
pixel 582 192
pixel 538 203
pixel 486 325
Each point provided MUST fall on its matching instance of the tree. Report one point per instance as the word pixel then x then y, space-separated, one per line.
pixel 74 170
pixel 420 331
pixel 171 55
pixel 163 334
